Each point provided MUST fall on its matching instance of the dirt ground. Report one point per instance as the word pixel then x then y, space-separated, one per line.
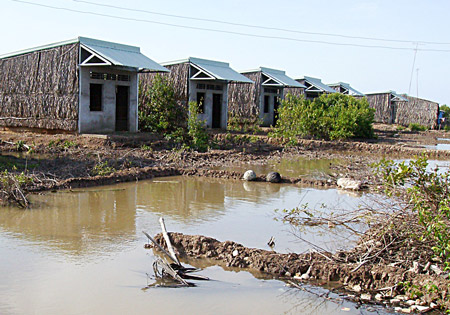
pixel 64 161
pixel 69 161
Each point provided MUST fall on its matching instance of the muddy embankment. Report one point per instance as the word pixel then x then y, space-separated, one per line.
pixel 375 283
pixel 67 161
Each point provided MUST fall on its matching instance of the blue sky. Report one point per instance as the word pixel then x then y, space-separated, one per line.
pixel 366 69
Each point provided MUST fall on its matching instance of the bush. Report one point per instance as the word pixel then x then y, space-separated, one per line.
pixel 426 193
pixel 446 111
pixel 417 127
pixel 102 169
pixel 330 117
pixel 158 109
pixel 196 129
pixel 243 124
pixel 11 188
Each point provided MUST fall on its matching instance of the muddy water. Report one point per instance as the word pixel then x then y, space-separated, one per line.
pixel 290 167
pixel 82 252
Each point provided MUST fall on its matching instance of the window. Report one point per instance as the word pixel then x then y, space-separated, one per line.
pixel 95 93
pixel 266 103
pixel 201 102
pixel 109 76
pixel 271 90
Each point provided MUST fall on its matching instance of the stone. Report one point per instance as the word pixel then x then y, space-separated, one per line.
pixel 235 253
pixel 406 310
pixel 410 302
pixel 348 183
pixel 394 301
pixel 249 175
pixel 366 297
pixel 356 288
pixel 378 297
pixel 304 276
pixel 273 177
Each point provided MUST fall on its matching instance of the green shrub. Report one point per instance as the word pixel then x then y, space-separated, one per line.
pixel 417 127
pixel 243 124
pixel 11 188
pixel 196 129
pixel 330 117
pixel 158 108
pixel 446 111
pixel 102 169
pixel 426 193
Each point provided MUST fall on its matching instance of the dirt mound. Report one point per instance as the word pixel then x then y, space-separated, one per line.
pixel 373 279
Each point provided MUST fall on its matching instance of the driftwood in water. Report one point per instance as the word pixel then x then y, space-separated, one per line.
pixel 167 239
pixel 159 246
pixel 176 271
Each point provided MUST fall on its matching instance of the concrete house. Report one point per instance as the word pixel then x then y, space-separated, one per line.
pixel 315 87
pixel 261 99
pixel 345 88
pixel 402 109
pixel 202 81
pixel 82 85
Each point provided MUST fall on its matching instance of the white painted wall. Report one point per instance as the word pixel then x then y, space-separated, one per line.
pixel 207 115
pixel 105 121
pixel 267 118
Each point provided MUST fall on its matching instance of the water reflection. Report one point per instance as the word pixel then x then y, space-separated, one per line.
pixel 88 244
pixel 75 222
pixel 290 167
pixel 100 220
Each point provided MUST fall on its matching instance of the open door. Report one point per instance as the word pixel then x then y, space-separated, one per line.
pixel 217 111
pixel 122 104
pixel 276 104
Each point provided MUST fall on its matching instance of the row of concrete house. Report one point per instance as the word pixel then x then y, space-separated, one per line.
pixel 91 86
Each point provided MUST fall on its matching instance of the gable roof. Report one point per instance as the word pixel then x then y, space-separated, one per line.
pixel 216 69
pixel 394 96
pixel 121 55
pixel 346 86
pixel 116 54
pixel 317 83
pixel 278 76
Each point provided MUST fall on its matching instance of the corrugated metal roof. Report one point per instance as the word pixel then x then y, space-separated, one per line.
pixel 116 54
pixel 281 77
pixel 347 86
pixel 121 55
pixel 394 95
pixel 217 69
pixel 398 96
pixel 38 48
pixel 318 84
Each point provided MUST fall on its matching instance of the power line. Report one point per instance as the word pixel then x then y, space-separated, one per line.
pixel 259 26
pixel 222 31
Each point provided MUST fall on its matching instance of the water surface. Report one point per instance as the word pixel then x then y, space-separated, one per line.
pixel 82 252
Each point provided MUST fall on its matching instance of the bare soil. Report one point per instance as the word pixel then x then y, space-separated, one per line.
pixel 68 161
pixel 64 161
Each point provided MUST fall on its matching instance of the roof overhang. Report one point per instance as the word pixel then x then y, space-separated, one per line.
pixel 113 54
pixel 211 70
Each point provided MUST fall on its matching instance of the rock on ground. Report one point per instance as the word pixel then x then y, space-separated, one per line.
pixel 348 183
pixel 273 177
pixel 249 175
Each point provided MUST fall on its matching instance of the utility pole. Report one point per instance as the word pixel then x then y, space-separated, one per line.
pixel 417 82
pixel 412 69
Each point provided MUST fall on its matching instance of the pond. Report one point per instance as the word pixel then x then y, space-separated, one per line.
pixel 82 251
pixel 290 167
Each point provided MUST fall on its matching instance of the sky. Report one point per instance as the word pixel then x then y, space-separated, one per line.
pixel 404 24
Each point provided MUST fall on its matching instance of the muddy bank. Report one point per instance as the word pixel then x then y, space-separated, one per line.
pixel 70 161
pixel 374 282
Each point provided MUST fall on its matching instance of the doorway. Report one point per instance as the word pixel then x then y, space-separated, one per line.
pixel 217 111
pixel 276 104
pixel 122 97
